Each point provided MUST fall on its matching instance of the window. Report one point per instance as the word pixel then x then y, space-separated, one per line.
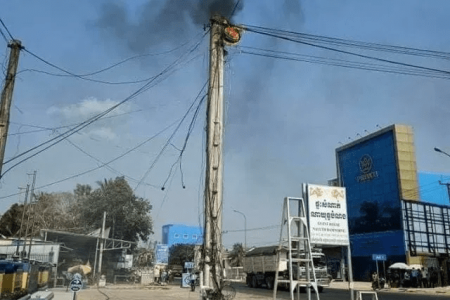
pixel 186 236
pixel 176 235
pixel 194 236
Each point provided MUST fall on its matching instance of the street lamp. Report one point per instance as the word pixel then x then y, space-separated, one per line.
pixel 443 152
pixel 446 184
pixel 245 228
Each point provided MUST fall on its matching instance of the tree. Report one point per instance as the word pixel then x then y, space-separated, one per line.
pixel 11 220
pixel 181 253
pixel 55 211
pixel 237 255
pixel 127 215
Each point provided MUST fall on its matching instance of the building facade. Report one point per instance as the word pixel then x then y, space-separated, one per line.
pixel 181 234
pixel 382 183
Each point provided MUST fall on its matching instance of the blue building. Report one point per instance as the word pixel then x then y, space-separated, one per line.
pixel 181 234
pixel 433 188
pixel 383 188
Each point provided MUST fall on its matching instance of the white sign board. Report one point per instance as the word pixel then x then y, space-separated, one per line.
pixel 327 208
pixel 188 265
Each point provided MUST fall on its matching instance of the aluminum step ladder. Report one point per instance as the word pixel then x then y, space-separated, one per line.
pixel 294 232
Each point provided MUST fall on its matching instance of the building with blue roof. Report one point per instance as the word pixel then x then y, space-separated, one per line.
pixel 182 234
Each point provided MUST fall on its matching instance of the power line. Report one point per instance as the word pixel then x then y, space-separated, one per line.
pixel 234 9
pixel 254 229
pixel 43 128
pixel 353 43
pixel 180 156
pixel 339 62
pixel 170 138
pixel 349 52
pixel 116 64
pixel 4 36
pixel 99 167
pixel 6 28
pixel 86 123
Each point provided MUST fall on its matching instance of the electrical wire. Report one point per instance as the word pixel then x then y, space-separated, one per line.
pixel 339 62
pixel 171 137
pixel 234 9
pixel 253 229
pixel 297 38
pixel 43 128
pixel 6 28
pixel 353 43
pixel 118 63
pixel 4 36
pixel 99 167
pixel 88 79
pixel 86 123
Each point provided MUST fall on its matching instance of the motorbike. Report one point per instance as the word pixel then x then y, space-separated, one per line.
pixel 377 285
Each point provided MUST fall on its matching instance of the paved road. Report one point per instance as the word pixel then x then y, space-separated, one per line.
pixel 242 292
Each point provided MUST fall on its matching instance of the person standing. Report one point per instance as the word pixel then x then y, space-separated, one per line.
pixel 433 277
pixel 406 279
pixel 156 274
pixel 414 277
pixel 419 277
pixel 425 277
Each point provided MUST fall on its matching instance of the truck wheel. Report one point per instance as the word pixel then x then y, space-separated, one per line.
pixel 269 283
pixel 320 288
pixel 254 282
pixel 249 280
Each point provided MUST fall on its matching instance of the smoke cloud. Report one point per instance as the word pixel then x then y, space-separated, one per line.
pixel 160 21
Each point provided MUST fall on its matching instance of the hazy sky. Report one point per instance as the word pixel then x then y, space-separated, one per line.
pixel 284 119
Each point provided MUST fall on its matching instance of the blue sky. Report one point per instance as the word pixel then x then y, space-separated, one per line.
pixel 283 122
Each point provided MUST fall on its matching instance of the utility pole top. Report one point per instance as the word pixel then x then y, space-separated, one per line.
pixel 6 97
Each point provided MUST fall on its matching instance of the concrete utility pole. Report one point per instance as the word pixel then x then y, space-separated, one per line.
pixel 23 217
pixel 30 213
pixel 7 93
pixel 34 212
pixel 214 161
pixel 221 32
pixel 102 243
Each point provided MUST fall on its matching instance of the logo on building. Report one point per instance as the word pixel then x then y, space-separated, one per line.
pixel 366 165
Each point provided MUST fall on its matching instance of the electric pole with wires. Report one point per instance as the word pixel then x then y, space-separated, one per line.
pixel 7 93
pixel 221 33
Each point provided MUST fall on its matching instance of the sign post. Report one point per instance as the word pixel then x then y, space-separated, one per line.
pixel 328 221
pixel 162 254
pixel 376 258
pixel 75 286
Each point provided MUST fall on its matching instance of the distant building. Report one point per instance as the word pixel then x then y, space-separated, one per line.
pixel 433 188
pixel 181 234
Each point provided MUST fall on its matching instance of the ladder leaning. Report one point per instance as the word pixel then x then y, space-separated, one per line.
pixel 299 255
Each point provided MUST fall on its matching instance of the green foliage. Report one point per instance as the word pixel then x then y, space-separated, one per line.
pixel 181 253
pixel 237 255
pixel 11 219
pixel 55 211
pixel 127 215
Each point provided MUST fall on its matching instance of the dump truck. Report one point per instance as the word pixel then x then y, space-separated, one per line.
pixel 260 265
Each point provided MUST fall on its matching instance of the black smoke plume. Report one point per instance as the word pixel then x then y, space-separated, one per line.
pixel 159 22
